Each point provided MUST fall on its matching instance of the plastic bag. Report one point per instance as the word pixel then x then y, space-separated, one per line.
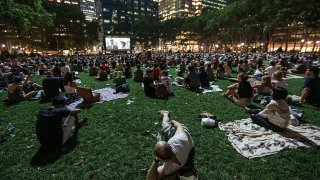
pixel 208 122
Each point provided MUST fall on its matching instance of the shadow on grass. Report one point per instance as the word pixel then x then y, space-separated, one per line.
pixel 45 156
pixel 288 133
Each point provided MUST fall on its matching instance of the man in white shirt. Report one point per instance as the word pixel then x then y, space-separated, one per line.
pixel 270 69
pixel 174 153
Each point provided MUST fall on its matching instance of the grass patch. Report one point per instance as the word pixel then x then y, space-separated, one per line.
pixel 114 144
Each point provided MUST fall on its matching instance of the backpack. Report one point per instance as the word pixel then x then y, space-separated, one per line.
pixel 124 88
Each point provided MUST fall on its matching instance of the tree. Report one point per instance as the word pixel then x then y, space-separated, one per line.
pixel 146 31
pixel 68 31
pixel 18 17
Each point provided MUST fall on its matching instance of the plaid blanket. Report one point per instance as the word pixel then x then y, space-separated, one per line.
pixel 252 141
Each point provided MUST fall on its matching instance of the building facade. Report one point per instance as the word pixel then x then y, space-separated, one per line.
pixel 119 15
pixel 170 9
pixel 74 2
pixel 88 7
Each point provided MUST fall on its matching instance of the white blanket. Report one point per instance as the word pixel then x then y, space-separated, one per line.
pixel 291 76
pixel 106 94
pixel 252 141
pixel 215 88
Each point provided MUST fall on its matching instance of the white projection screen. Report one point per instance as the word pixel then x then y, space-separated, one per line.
pixel 117 43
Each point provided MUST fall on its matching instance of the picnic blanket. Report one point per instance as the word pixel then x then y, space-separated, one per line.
pixel 252 140
pixel 292 76
pixel 106 94
pixel 214 88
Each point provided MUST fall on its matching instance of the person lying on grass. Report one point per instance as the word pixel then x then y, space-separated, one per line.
pixel 54 124
pixel 176 154
pixel 276 115
pixel 16 93
pixel 241 92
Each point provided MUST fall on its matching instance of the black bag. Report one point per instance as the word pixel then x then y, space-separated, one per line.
pixel 124 88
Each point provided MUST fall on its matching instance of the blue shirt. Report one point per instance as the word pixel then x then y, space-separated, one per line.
pixel 49 126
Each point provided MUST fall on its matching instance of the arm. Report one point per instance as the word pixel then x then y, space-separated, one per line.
pixel 153 171
pixel 178 126
pixel 304 94
pixel 270 109
pixel 74 112
pixel 233 86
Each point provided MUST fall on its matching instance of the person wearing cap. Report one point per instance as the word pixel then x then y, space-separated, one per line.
pixel 148 84
pixel 54 124
pixel 16 93
pixel 311 87
pixel 176 153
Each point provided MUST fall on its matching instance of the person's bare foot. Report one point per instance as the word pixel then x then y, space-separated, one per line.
pixel 163 113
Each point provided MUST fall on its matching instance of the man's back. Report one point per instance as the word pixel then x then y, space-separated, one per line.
pixel 51 86
pixel 49 126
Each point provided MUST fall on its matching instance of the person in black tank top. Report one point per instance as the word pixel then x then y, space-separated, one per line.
pixel 241 92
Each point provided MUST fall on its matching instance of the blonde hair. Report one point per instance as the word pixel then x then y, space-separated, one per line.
pixel 265 81
pixel 278 75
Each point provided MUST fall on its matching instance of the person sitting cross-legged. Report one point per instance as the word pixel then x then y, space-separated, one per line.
pixel 54 124
pixel 241 92
pixel 276 115
pixel 176 154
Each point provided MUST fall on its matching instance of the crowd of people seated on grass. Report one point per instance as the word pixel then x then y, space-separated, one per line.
pixel 194 71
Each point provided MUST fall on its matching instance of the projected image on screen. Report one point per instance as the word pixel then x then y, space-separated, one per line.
pixel 117 43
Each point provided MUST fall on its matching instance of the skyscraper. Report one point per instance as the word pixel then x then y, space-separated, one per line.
pixel 88 7
pixel 169 9
pixel 74 2
pixel 119 15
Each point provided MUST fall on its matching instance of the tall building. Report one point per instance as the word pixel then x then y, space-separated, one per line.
pixel 119 15
pixel 88 7
pixel 169 9
pixel 74 2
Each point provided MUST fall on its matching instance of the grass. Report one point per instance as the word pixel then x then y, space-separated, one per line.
pixel 115 145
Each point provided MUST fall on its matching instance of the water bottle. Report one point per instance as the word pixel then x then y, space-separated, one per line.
pixel 158 136
pixel 11 128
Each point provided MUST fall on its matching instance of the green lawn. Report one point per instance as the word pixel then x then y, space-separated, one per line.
pixel 115 145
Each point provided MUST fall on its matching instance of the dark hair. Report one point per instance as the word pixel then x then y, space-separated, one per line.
pixel 164 72
pixel 279 93
pixel 244 76
pixel 68 77
pixel 315 70
pixel 272 63
pixel 191 68
pixel 59 101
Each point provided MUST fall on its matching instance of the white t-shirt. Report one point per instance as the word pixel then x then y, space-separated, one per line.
pixel 277 112
pixel 270 70
pixel 181 145
pixel 165 80
pixel 281 84
pixel 65 69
